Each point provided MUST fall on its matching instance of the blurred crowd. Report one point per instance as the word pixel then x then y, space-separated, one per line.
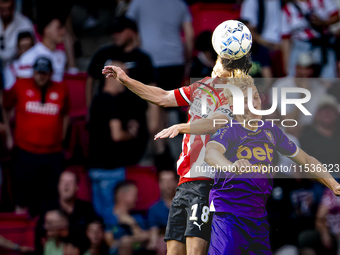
pixel 295 44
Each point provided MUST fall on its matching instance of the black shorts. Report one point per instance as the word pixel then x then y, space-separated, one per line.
pixel 189 214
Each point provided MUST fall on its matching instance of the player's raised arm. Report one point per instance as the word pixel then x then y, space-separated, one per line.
pixel 206 126
pixel 323 176
pixel 152 94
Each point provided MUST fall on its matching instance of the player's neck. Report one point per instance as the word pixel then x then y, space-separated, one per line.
pixel 49 43
pixel 245 123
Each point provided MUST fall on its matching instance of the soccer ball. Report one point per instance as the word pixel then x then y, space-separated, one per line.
pixel 232 39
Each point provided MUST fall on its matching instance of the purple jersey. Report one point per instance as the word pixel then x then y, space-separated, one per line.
pixel 246 194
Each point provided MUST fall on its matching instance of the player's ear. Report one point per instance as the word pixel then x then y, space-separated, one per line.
pixel 231 107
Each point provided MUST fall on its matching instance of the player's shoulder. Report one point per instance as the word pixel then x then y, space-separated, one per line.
pixel 225 131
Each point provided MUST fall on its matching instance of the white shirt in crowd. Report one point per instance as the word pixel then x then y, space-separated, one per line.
pixel 272 22
pixel 19 24
pixel 24 65
pixel 296 26
pixel 317 91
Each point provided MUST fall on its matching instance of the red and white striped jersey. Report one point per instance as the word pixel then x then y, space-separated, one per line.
pixel 191 165
pixel 295 25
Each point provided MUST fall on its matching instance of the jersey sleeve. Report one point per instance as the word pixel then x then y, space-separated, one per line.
pixel 25 65
pixel 183 95
pixel 222 137
pixel 225 110
pixel 284 145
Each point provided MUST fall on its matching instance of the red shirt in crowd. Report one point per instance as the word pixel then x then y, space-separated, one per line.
pixel 38 127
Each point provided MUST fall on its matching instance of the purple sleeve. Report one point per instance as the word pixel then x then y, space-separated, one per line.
pixel 222 137
pixel 284 145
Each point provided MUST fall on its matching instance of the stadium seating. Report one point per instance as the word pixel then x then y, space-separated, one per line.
pixel 76 85
pixel 17 228
pixel 206 16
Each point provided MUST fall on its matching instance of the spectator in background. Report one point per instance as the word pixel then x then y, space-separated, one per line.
pixel 24 43
pixel 304 73
pixel 167 52
pixel 305 24
pixel 118 138
pixel 11 24
pixel 124 49
pixel 160 24
pixel 79 212
pixel 123 228
pixel 74 245
pixel 159 212
pixel 263 17
pixel 95 234
pixel 323 133
pixel 53 32
pixel 203 63
pixel 328 222
pixel 56 226
pixel 40 125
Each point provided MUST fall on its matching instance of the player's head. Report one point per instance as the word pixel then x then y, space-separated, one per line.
pixel 6 10
pixel 124 31
pixel 244 81
pixel 52 29
pixel 42 71
pixel 126 193
pixel 226 67
pixel 67 186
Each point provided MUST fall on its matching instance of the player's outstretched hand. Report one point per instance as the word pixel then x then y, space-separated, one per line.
pixel 242 166
pixel 170 132
pixel 116 73
pixel 336 190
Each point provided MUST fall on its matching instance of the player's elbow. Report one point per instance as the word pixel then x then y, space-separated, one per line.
pixel 164 100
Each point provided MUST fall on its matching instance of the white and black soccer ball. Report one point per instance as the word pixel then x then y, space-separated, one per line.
pixel 232 39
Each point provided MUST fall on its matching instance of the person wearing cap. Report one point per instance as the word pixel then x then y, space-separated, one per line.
pixel 41 119
pixel 304 71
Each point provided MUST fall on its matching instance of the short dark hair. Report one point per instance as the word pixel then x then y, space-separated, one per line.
pixel 77 240
pixel 123 184
pixel 97 220
pixel 244 64
pixel 44 22
pixel 25 34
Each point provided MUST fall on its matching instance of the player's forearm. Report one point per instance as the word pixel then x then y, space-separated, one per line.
pixel 216 159
pixel 322 176
pixel 202 127
pixel 151 94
